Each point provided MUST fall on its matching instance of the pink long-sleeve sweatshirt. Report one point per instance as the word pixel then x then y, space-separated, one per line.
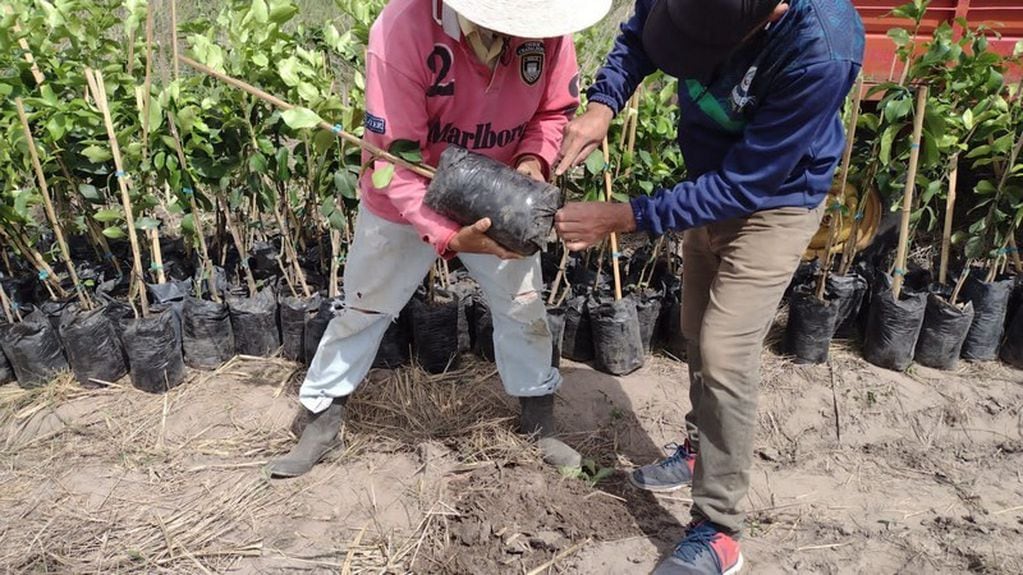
pixel 425 84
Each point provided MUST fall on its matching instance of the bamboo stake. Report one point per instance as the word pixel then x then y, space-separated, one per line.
pixel 422 170
pixel 290 253
pixel 29 58
pixel 835 224
pixel 6 305
pixel 51 214
pixel 154 238
pixel 960 283
pixel 560 276
pixel 907 200
pixel 99 93
pixel 335 262
pixel 950 204
pixel 174 37
pixel 204 254
pixel 614 236
pixel 147 83
pixel 239 242
pixel 1014 252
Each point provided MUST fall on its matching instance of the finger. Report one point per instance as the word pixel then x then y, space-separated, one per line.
pixel 577 246
pixel 482 226
pixel 569 152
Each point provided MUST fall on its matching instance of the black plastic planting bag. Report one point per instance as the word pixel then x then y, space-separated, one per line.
pixel 577 343
pixel 154 353
pixel 483 323
pixel 93 346
pixel 254 323
pixel 847 293
pixel 990 304
pixel 465 290
pixel 556 325
pixel 648 311
pixel 1012 349
pixel 811 323
pixel 395 348
pixel 616 338
pixel 6 371
pixel 943 333
pixel 33 350
pixel 317 325
pixel 207 338
pixel 295 314
pixel 435 333
pixel 469 187
pixel 170 296
pixel 893 328
pixel 53 310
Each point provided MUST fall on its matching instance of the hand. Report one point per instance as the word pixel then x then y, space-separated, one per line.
pixel 583 135
pixel 584 224
pixel 473 240
pixel 530 165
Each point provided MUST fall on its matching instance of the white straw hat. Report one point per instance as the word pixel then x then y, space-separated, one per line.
pixel 532 18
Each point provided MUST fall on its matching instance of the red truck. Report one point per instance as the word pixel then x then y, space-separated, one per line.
pixel 1003 16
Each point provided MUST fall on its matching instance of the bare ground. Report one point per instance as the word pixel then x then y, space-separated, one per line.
pixel 858 470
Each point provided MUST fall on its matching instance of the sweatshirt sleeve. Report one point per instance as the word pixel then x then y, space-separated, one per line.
pixel 396 110
pixel 627 64
pixel 542 137
pixel 779 136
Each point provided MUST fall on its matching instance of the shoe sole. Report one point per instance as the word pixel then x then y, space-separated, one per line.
pixel 667 489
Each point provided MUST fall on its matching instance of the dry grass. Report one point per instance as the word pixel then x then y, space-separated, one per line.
pixel 113 480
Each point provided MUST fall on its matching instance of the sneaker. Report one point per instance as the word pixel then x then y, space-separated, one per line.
pixel 670 474
pixel 704 551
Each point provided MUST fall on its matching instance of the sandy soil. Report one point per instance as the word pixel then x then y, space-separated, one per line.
pixel 858 470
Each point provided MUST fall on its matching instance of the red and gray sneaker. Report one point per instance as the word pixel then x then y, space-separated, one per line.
pixel 704 551
pixel 669 474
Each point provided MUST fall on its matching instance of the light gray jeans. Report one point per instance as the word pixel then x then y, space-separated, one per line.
pixel 386 263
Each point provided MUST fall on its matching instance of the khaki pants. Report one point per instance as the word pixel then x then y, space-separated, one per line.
pixel 735 274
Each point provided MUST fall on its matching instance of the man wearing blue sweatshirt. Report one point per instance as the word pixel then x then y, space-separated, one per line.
pixel 761 83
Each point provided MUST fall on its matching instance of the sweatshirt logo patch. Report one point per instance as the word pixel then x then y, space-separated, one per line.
pixel 375 124
pixel 483 137
pixel 532 56
pixel 741 97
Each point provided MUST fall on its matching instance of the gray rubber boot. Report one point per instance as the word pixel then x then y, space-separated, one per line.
pixel 538 418
pixel 319 437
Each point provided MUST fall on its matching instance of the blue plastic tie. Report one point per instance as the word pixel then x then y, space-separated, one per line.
pixel 121 174
pixel 43 275
pixel 616 255
pixel 859 216
pixel 337 129
pixel 899 272
pixel 155 267
pixel 187 191
pixel 914 146
pixel 109 256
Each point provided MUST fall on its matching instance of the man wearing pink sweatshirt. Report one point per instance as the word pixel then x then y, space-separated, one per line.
pixel 498 77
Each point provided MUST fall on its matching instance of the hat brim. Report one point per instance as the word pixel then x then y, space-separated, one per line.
pixel 671 51
pixel 532 18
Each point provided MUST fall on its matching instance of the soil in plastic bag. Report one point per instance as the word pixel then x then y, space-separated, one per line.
pixel 669 324
pixel 465 289
pixel 893 328
pixel 469 187
pixel 6 371
pixel 1012 349
pixel 648 310
pixel 254 323
pixel 33 350
pixel 847 292
pixel 396 347
pixel 577 343
pixel 317 325
pixel 154 353
pixel 617 341
pixel 483 323
pixel 170 296
pixel 54 310
pixel 944 330
pixel 990 305
pixel 207 338
pixel 556 325
pixel 811 323
pixel 92 345
pixel 435 333
pixel 295 314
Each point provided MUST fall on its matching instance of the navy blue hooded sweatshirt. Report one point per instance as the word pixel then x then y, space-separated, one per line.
pixel 765 131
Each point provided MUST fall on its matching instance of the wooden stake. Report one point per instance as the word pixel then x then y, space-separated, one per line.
pixel 147 83
pixel 5 303
pixel 335 261
pixel 422 170
pixel 907 199
pixel 99 92
pixel 561 275
pixel 1014 253
pixel 51 214
pixel 46 274
pixel 154 238
pixel 950 205
pixel 36 73
pixel 174 37
pixel 614 237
